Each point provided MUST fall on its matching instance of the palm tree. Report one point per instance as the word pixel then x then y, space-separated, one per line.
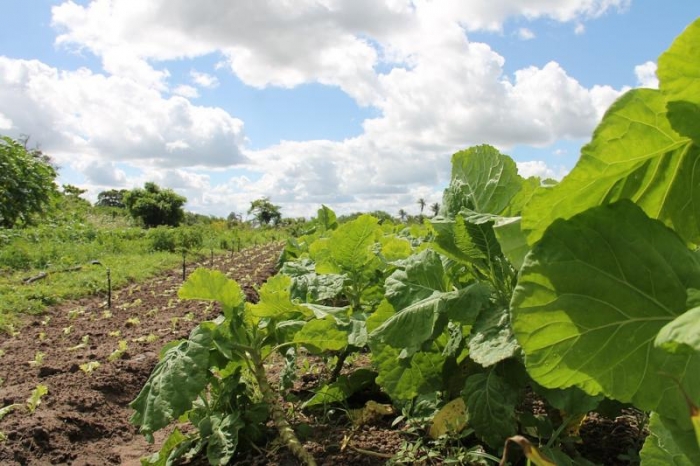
pixel 421 203
pixel 435 208
pixel 402 215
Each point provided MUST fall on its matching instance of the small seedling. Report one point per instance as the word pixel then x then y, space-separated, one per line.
pixel 133 322
pixel 83 344
pixel 89 367
pixel 35 399
pixel 150 338
pixel 119 352
pixel 115 333
pixel 38 359
pixel 106 314
pixel 75 313
pixel 46 320
pixel 67 330
pixel 189 317
pixel 2 353
pixel 42 336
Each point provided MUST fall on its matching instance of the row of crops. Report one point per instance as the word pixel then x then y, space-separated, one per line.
pixel 583 292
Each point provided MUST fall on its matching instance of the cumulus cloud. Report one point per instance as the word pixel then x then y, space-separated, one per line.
pixel 101 173
pixel 434 92
pixel 646 75
pixel 115 118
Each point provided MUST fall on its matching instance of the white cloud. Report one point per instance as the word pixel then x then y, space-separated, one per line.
pixel 525 34
pixel 540 169
pixel 114 118
pixel 579 29
pixel 204 80
pixel 434 92
pixel 101 173
pixel 646 75
pixel 5 123
pixel 186 91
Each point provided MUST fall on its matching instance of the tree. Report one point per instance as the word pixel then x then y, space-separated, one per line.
pixel 435 209
pixel 265 212
pixel 234 219
pixel 155 206
pixel 27 183
pixel 421 203
pixel 111 198
pixel 402 215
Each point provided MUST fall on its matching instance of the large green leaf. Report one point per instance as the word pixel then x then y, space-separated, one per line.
pixel 491 339
pixel 322 334
pixel 667 447
pixel 415 324
pixel 212 285
pixel 175 382
pixel 590 299
pixel 679 81
pixel 682 335
pixel 453 240
pixel 635 154
pixel 490 407
pixel 483 180
pixel 421 276
pixel 348 250
pixel 404 379
pixel 326 218
pixel 223 439
pixel 275 300
pixel 512 239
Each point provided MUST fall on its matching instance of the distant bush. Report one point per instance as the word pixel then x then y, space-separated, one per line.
pixel 162 239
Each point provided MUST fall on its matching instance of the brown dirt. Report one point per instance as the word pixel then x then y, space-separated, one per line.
pixel 84 418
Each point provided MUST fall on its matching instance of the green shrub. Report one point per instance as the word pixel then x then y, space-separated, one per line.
pixel 162 239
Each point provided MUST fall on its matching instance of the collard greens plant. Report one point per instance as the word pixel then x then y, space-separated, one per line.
pixel 579 291
pixel 607 298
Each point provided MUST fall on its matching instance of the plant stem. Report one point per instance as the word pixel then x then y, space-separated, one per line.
pixel 286 432
pixel 339 365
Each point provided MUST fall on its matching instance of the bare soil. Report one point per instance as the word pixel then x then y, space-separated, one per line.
pixel 84 418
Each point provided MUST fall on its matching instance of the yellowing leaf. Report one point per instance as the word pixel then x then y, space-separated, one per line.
pixel 451 419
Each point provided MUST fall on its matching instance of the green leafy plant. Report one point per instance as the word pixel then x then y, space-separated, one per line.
pixel 215 396
pixel 122 348
pixel 90 367
pixel 34 400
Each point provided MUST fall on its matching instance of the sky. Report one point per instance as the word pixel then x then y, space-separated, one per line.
pixel 355 104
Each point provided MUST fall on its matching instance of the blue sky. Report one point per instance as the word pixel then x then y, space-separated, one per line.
pixel 355 104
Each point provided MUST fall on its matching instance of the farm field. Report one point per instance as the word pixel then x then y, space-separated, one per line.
pixel 527 321
pixel 84 416
pixel 94 360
